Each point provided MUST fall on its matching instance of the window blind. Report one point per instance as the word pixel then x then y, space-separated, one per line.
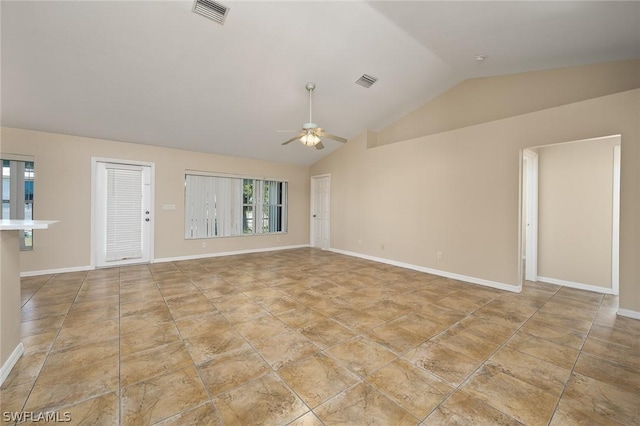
pixel 220 206
pixel 124 213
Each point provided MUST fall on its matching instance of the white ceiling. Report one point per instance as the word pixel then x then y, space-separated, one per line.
pixel 153 72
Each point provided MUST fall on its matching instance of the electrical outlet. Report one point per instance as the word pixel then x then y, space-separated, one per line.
pixel 382 246
pixel 278 238
pixel 440 255
pixel 204 244
pixel 359 242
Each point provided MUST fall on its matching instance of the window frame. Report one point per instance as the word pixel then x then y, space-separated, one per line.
pixel 237 213
pixel 27 184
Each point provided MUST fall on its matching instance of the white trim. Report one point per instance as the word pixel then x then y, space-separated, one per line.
pixel 162 260
pixel 615 226
pixel 230 175
pixel 56 271
pixel 17 157
pixel 579 286
pixel 628 313
pixel 473 280
pixel 121 161
pixel 227 253
pixel 152 190
pixel 11 362
pixel 531 231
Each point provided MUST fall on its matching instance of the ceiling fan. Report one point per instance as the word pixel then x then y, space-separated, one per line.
pixel 311 133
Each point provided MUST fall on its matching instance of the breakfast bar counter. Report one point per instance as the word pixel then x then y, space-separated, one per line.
pixel 11 348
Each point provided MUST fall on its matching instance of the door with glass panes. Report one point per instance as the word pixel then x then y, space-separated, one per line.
pixel 122 212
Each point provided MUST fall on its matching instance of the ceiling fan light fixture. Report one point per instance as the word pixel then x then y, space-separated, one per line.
pixel 310 134
pixel 309 139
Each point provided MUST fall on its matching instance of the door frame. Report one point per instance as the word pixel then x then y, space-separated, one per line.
pixel 94 220
pixel 312 208
pixel 530 201
pixel 615 225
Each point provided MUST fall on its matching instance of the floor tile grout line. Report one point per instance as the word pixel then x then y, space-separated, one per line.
pixel 173 321
pixel 382 346
pixel 39 288
pixel 573 367
pixel 271 371
pixel 470 375
pixel 363 333
pixel 210 399
pixel 24 405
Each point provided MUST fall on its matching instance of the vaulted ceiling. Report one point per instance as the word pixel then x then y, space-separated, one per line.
pixel 153 72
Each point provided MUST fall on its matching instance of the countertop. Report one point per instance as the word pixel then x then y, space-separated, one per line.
pixel 17 225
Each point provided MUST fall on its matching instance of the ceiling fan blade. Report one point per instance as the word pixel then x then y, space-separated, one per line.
pixel 321 133
pixel 319 145
pixel 292 139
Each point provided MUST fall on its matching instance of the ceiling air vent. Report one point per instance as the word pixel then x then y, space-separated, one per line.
pixel 366 81
pixel 211 9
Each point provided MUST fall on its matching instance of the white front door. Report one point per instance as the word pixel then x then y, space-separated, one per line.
pixel 320 214
pixel 122 214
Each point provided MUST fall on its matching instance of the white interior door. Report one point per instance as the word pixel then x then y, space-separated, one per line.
pixel 530 161
pixel 320 211
pixel 122 212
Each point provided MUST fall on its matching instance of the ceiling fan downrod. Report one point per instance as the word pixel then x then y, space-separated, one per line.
pixel 310 87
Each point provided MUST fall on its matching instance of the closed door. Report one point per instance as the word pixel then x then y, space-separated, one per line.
pixel 320 221
pixel 122 214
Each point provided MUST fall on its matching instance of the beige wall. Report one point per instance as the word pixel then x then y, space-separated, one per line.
pixel 458 191
pixel 9 295
pixel 63 192
pixel 575 199
pixel 481 100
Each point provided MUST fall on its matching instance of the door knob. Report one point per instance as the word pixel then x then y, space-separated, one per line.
pixel 314 215
pixel 147 212
pixel 147 220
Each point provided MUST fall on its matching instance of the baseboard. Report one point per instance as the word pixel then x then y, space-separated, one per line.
pixel 55 271
pixel 473 280
pixel 578 286
pixel 227 253
pixel 628 313
pixel 11 362
pixel 166 259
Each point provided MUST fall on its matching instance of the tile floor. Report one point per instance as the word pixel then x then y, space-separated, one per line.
pixel 307 337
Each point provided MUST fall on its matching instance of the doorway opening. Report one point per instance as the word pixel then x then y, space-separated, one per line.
pixel 570 196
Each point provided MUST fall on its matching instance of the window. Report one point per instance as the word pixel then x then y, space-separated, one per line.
pixel 263 206
pixel 17 195
pixel 219 206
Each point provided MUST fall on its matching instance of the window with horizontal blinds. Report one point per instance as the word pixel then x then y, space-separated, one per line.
pixel 221 206
pixel 124 213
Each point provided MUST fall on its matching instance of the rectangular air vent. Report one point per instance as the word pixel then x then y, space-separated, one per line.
pixel 366 81
pixel 211 9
